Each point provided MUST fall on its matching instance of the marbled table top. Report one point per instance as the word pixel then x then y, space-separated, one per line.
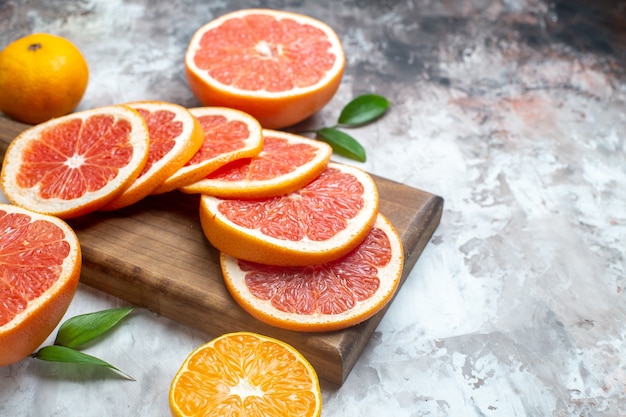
pixel 514 111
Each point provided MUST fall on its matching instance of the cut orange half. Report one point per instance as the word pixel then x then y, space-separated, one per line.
pixel 175 136
pixel 286 163
pixel 278 66
pixel 40 263
pixel 318 223
pixel 229 135
pixel 245 374
pixel 324 297
pixel 75 164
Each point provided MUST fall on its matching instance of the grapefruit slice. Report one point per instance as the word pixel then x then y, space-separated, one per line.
pixel 175 136
pixel 245 374
pixel 40 263
pixel 325 297
pixel 286 163
pixel 229 135
pixel 278 66
pixel 318 223
pixel 75 164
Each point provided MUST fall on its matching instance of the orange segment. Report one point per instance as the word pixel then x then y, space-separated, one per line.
pixel 75 164
pixel 286 163
pixel 280 67
pixel 228 135
pixel 40 263
pixel 245 374
pixel 318 223
pixel 175 136
pixel 325 297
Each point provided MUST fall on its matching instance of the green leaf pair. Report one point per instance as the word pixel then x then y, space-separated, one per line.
pixel 78 331
pixel 361 110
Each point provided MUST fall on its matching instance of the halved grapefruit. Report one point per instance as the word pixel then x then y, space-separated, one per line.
pixel 229 135
pixel 318 223
pixel 40 263
pixel 325 297
pixel 278 66
pixel 286 163
pixel 72 165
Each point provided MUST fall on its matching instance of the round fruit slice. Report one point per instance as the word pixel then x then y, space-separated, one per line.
pixel 40 263
pixel 318 223
pixel 324 297
pixel 245 374
pixel 278 66
pixel 228 135
pixel 175 137
pixel 75 164
pixel 286 163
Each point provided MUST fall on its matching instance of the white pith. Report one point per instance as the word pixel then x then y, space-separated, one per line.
pixel 245 389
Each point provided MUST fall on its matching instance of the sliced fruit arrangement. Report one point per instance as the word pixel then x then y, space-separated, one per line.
pixel 75 164
pixel 175 137
pixel 229 135
pixel 302 243
pixel 324 297
pixel 286 163
pixel 40 264
pixel 111 157
pixel 321 258
pixel 318 223
pixel 245 374
pixel 278 66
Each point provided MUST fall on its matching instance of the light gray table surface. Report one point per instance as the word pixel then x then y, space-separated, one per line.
pixel 514 111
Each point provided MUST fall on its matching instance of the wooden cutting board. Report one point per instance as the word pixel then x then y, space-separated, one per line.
pixel 154 254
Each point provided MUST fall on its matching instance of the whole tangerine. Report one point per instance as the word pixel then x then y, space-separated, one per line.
pixel 42 76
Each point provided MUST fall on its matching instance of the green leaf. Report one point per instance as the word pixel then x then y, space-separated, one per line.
pixel 342 143
pixel 81 329
pixel 363 109
pixel 64 354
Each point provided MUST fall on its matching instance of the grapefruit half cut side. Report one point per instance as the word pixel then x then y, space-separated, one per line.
pixel 40 264
pixel 278 66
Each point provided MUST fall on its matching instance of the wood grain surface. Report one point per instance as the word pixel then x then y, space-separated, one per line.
pixel 154 254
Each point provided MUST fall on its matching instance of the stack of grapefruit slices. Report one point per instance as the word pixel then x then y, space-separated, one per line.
pixel 303 245
pixel 299 253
